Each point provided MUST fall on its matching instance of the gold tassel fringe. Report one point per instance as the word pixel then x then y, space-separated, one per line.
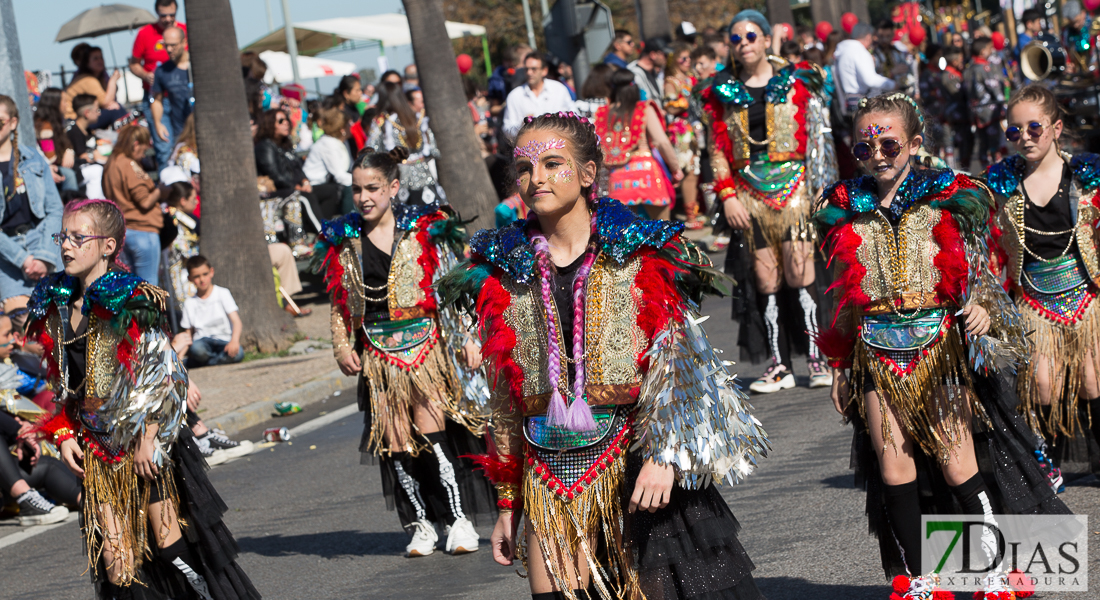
pixel 116 487
pixel 562 528
pixel 774 224
pixel 936 389
pixel 391 395
pixel 1063 348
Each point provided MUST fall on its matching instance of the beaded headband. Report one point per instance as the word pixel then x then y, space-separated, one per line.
pixel 564 115
pixel 899 96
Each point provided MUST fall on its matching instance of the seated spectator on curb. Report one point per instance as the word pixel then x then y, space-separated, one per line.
pixel 275 159
pixel 180 234
pixel 328 165
pixel 30 212
pixel 211 321
pixel 89 162
pixel 125 182
pixel 23 469
pixel 49 128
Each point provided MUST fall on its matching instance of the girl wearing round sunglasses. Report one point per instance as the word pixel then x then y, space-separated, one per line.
pixel 765 119
pixel 908 313
pixel 1045 230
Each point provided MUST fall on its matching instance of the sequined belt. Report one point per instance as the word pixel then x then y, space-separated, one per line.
pixel 93 421
pixel 583 457
pixel 1054 277
pixel 544 436
pixel 903 332
pixel 398 336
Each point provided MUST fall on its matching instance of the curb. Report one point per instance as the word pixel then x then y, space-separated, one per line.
pixel 306 394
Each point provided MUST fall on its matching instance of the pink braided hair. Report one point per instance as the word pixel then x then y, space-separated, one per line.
pixel 577 416
pixel 120 224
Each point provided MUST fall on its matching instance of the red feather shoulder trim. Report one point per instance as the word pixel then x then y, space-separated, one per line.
pixel 499 338
pixel 497 470
pixel 950 260
pixel 660 300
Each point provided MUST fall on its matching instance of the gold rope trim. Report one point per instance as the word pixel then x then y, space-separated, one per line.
pixel 1064 349
pixel 774 224
pixel 566 524
pixel 921 399
pixel 116 487
pixel 391 396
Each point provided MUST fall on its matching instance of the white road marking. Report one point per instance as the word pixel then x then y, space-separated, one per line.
pixel 30 532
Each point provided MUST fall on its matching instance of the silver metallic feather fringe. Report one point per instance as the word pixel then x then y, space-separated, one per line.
pixel 692 413
pixel 156 393
pixel 456 327
pixel 1006 344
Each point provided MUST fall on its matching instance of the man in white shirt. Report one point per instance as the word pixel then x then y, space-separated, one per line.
pixel 537 97
pixel 855 68
pixel 649 70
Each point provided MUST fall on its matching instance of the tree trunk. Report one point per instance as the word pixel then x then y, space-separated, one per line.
pixel 653 19
pixel 232 228
pixel 828 10
pixel 859 8
pixel 779 11
pixel 12 82
pixel 462 172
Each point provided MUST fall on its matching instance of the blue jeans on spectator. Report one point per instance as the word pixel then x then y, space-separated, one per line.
pixel 70 179
pixel 162 149
pixel 208 351
pixel 141 252
pixel 13 282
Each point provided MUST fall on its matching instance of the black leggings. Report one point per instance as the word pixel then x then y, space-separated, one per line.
pixel 49 475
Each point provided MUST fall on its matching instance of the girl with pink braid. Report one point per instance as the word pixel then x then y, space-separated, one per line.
pixel 587 317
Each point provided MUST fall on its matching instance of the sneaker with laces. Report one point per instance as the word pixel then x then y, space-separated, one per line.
pixel 820 376
pixel 213 457
pixel 777 377
pixel 36 510
pixel 423 540
pixel 217 440
pixel 462 538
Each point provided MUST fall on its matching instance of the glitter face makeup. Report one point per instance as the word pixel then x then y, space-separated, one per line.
pixel 874 131
pixel 533 149
pixel 566 175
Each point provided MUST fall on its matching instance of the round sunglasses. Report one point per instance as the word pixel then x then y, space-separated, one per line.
pixel 1034 129
pixel 735 39
pixel 863 151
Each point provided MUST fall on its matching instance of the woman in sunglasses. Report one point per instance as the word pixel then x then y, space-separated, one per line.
pixel 766 119
pixel 1046 233
pixel 915 297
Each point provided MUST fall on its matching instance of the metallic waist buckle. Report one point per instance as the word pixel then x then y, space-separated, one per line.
pixel 395 336
pixel 1055 277
pixel 542 435
pixel 903 332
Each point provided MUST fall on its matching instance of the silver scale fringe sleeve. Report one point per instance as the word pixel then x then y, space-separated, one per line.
pixel 821 169
pixel 156 393
pixel 1006 344
pixel 692 413
pixel 456 330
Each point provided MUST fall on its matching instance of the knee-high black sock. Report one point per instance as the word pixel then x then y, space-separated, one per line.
pixel 974 497
pixel 409 487
pixel 903 510
pixel 811 313
pixel 179 556
pixel 445 465
pixel 778 345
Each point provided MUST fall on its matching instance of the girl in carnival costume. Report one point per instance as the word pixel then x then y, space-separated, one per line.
pixel 152 521
pixel 772 154
pixel 928 337
pixel 588 321
pixel 423 406
pixel 1045 231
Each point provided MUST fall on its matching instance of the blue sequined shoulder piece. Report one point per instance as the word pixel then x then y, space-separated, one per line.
pixel 919 184
pixel 622 232
pixel 730 90
pixel 507 248
pixel 1086 170
pixel 407 214
pixel 337 230
pixel 779 85
pixel 1005 176
pixel 55 288
pixel 862 194
pixel 111 291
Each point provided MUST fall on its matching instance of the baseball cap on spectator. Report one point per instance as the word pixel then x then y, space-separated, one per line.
pixel 656 44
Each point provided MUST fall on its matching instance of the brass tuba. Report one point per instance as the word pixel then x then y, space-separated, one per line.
pixel 1044 57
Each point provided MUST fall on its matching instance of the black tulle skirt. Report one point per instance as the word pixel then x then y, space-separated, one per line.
pixel 205 534
pixel 689 549
pixel 1006 460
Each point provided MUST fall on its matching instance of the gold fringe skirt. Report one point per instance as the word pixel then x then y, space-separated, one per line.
pixel 927 392
pixel 1062 348
pixel 566 519
pixel 791 222
pixel 393 378
pixel 113 491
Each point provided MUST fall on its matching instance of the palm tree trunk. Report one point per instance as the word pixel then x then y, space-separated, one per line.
pixel 232 228
pixel 779 11
pixel 462 172
pixel 653 19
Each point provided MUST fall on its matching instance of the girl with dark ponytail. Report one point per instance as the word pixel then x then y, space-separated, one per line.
pixel 419 379
pixel 587 317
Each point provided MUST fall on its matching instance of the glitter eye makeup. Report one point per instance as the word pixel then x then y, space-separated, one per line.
pixel 532 150
pixel 874 131
pixel 567 173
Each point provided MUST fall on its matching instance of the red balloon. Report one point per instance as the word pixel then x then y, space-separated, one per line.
pixel 998 38
pixel 786 32
pixel 916 34
pixel 848 21
pixel 1092 5
pixel 464 62
pixel 823 29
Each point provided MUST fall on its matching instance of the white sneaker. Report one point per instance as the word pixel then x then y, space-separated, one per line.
pixel 820 376
pixel 776 378
pixel 216 457
pixel 423 540
pixel 36 510
pixel 462 538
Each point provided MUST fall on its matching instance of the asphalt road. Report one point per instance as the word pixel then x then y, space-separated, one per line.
pixel 312 524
